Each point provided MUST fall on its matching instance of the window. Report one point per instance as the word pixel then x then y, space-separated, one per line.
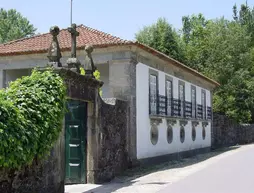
pixel 153 92
pixel 169 95
pixel 203 103
pixel 181 98
pixel 193 101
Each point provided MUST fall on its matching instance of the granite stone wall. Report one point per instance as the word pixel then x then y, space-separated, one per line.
pixel 227 132
pixel 42 176
pixel 113 156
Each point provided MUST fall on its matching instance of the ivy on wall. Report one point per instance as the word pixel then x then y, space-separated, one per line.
pixel 31 114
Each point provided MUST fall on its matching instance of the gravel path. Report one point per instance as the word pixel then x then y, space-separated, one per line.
pixel 154 179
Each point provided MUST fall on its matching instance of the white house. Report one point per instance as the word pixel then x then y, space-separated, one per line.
pixel 169 103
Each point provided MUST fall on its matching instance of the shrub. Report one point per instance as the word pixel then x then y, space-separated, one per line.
pixel 32 110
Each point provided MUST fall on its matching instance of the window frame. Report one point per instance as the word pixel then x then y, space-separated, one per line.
pixel 169 79
pixel 182 110
pixel 194 105
pixel 156 74
pixel 204 113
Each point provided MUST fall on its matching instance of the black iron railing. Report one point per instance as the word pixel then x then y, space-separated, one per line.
pixel 175 105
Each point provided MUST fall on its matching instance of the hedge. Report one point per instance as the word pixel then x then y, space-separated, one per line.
pixel 31 114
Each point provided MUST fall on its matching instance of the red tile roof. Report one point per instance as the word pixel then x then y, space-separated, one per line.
pixel 40 43
pixel 87 35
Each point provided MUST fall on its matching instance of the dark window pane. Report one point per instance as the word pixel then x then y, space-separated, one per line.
pixel 193 101
pixel 169 94
pixel 181 98
pixel 203 103
pixel 153 94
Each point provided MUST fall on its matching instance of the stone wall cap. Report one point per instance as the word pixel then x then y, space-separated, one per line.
pixel 67 73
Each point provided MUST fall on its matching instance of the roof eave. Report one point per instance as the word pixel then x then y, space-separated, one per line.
pixel 176 63
pixel 142 46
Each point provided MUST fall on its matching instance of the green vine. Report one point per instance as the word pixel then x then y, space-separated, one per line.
pixel 31 114
pixel 96 74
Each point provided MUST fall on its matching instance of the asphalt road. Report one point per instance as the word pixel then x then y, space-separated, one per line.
pixel 232 174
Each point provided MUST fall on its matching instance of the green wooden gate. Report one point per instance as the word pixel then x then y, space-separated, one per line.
pixel 75 142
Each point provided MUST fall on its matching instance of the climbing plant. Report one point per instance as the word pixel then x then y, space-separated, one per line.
pixel 31 114
pixel 96 74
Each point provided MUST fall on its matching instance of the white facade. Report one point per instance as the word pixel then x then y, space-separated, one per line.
pixel 18 69
pixel 145 148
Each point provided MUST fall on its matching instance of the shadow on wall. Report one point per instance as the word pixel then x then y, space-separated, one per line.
pixel 227 132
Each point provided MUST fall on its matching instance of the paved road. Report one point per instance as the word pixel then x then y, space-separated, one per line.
pixel 232 174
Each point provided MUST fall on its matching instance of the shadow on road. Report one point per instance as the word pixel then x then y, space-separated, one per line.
pixel 173 164
pixel 129 176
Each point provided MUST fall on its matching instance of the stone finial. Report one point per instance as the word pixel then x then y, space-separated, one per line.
pixel 54 52
pixel 74 34
pixel 89 64
pixel 73 62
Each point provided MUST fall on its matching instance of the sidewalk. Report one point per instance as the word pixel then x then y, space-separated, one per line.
pixel 156 178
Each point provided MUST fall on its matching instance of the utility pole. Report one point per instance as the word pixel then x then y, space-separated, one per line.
pixel 71 11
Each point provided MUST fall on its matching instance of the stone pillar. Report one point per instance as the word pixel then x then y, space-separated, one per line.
pixel 92 143
pixel 124 71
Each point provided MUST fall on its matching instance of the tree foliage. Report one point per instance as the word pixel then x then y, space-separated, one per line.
pixel 162 37
pixel 14 26
pixel 221 49
pixel 31 110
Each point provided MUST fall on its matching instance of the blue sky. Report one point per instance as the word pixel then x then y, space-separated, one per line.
pixel 120 18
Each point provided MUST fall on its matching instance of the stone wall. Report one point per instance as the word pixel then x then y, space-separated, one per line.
pixel 40 177
pixel 107 123
pixel 227 132
pixel 112 139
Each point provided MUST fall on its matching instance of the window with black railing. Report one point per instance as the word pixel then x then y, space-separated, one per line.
pixel 193 102
pixel 153 94
pixel 203 103
pixel 162 105
pixel 178 106
pixel 169 95
pixel 181 97
pixel 187 109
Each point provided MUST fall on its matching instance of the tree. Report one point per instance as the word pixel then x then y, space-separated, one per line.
pixel 245 17
pixel 221 50
pixel 14 26
pixel 162 37
pixel 194 37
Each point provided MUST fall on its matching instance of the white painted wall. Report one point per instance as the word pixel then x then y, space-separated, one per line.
pixel 145 148
pixel 17 69
pixel 104 72
pixel 12 75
